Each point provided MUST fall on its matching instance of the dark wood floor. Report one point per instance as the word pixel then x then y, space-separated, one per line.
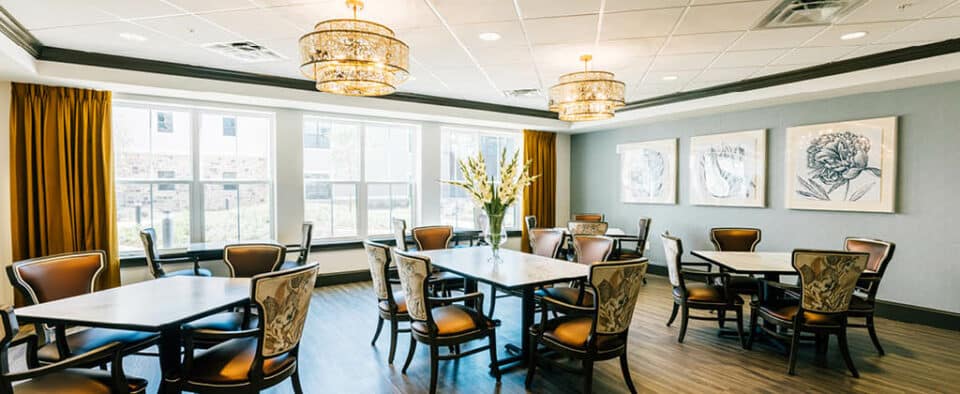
pixel 338 358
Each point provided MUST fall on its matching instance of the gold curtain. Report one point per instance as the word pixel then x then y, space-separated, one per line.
pixel 540 198
pixel 61 174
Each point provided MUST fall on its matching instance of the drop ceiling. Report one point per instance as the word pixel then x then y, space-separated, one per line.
pixel 656 47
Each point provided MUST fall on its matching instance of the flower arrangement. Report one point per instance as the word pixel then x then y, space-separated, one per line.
pixel 492 196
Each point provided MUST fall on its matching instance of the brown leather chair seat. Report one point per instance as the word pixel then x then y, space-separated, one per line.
pixel 568 295
pixel 76 381
pixel 700 292
pixel 89 339
pixel 189 272
pixel 787 313
pixel 575 332
pixel 450 320
pixel 400 300
pixel 229 363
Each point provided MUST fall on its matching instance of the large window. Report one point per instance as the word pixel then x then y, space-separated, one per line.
pixel 194 175
pixel 357 176
pixel 456 206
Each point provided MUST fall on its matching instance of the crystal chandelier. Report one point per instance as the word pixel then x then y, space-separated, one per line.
pixel 354 57
pixel 586 95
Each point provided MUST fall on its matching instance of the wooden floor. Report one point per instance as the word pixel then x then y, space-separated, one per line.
pixel 337 356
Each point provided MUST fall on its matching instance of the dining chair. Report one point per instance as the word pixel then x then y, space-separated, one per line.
pixel 245 260
pixel 587 228
pixel 433 238
pixel 545 242
pixel 589 249
pixel 708 296
pixel 392 305
pixel 400 234
pixel 588 217
pixel 597 331
pixel 827 283
pixel 302 250
pixel 738 239
pixel 863 304
pixel 50 278
pixel 440 321
pixel 70 375
pixel 643 231
pixel 531 222
pixel 155 263
pixel 258 358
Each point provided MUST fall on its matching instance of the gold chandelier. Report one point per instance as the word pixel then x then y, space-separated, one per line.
pixel 586 95
pixel 354 57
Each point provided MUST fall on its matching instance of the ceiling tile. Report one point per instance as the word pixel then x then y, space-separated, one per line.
pixel 257 24
pixel 191 29
pixel 511 34
pixel 499 55
pixel 636 24
pixel 211 5
pixel 435 47
pixel 135 9
pixel 723 17
pixel 464 79
pixel 748 58
pixel 550 8
pixel 632 5
pixel 891 10
pixel 305 16
pixel 563 56
pixel 727 74
pixel 682 62
pixel 699 43
pixel 682 78
pixel 873 49
pixel 926 30
pixel 287 48
pixel 810 55
pixel 567 29
pixel 55 13
pixel 775 38
pixel 395 14
pixel 475 11
pixel 875 31
pixel 633 72
pixel 514 76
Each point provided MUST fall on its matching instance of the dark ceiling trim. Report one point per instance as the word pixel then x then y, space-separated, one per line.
pixel 18 34
pixel 819 71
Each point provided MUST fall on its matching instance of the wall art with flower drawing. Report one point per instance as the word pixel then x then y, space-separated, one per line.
pixel 729 169
pixel 845 166
pixel 648 172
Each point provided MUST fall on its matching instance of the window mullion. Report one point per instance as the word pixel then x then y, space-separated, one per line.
pixel 362 186
pixel 197 218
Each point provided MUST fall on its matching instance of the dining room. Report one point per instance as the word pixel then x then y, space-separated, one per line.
pixel 492 196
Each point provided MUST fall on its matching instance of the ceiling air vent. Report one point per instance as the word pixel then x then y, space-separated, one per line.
pixel 791 13
pixel 245 51
pixel 518 93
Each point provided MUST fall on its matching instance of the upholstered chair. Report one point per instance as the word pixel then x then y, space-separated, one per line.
pixel 587 228
pixel 261 357
pixel 70 375
pixel 731 239
pixel 441 322
pixel 643 231
pixel 863 304
pixel 590 249
pixel 588 217
pixel 827 282
pixel 302 250
pixel 148 237
pixel 546 242
pixel 531 222
pixel 710 296
pixel 249 259
pixel 392 305
pixel 400 233
pixel 51 278
pixel 433 238
pixel 596 332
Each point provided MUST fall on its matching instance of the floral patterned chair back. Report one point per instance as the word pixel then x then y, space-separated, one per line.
pixel 283 299
pixel 617 286
pixel 400 233
pixel 735 239
pixel 378 258
pixel 587 228
pixel 546 242
pixel 590 249
pixel 827 278
pixel 414 271
pixel 673 250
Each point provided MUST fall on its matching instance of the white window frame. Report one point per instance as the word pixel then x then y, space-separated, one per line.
pixel 196 185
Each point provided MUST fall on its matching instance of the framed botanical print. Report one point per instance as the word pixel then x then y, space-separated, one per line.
pixel 844 166
pixel 729 169
pixel 648 172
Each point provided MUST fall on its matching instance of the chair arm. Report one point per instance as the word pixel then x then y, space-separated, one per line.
pixel 547 302
pixel 104 352
pixel 450 300
pixel 708 265
pixel 206 333
pixel 174 260
pixel 780 285
pixel 295 249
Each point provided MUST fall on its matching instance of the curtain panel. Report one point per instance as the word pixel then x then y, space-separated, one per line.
pixel 540 198
pixel 61 180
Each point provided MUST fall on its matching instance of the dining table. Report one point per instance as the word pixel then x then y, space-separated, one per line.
pixel 160 305
pixel 514 271
pixel 769 264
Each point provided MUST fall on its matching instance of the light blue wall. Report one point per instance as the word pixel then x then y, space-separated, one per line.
pixel 926 268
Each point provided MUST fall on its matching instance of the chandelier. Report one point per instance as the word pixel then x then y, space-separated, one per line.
pixel 586 95
pixel 354 57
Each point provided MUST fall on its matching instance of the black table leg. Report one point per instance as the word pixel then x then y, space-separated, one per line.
pixel 169 347
pixel 470 286
pixel 520 354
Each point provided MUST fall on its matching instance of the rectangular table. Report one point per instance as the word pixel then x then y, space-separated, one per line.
pixel 769 264
pixel 517 271
pixel 160 305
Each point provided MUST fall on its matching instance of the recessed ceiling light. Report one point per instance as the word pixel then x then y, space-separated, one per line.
pixel 670 78
pixel 489 36
pixel 132 37
pixel 854 35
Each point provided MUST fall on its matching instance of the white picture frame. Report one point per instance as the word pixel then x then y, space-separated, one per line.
pixel 648 172
pixel 729 169
pixel 843 166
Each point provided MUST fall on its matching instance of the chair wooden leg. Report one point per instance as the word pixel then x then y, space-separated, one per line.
pixel 434 366
pixel 625 369
pixel 721 318
pixel 743 341
pixel 494 367
pixel 753 328
pixel 295 381
pixel 873 334
pixel 377 334
pixel 673 314
pixel 684 318
pixel 587 376
pixel 794 349
pixel 394 327
pixel 413 348
pixel 845 351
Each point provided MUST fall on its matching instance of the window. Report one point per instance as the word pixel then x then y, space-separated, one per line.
pixel 195 175
pixel 356 176
pixel 456 206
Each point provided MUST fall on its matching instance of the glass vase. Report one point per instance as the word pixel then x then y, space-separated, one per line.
pixel 495 234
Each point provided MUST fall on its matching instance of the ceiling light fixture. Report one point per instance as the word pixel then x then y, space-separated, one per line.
pixel 354 57
pixel 586 95
pixel 491 36
pixel 132 37
pixel 670 78
pixel 853 36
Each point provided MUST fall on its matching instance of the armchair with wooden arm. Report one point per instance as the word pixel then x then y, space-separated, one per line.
pixel 148 237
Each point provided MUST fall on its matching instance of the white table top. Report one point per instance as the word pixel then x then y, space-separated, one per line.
pixel 516 269
pixel 145 306
pixel 749 262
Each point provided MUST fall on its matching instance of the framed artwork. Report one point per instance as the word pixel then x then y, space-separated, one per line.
pixel 729 169
pixel 648 172
pixel 845 166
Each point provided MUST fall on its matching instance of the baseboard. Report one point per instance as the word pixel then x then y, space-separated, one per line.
pixel 339 278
